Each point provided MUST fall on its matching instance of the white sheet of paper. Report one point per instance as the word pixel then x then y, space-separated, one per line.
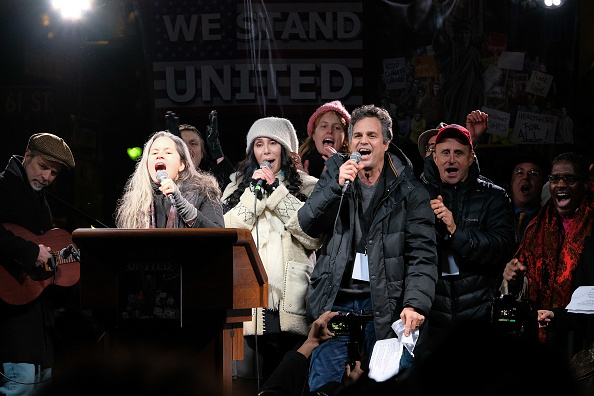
pixel 408 342
pixel 361 267
pixel 385 359
pixel 449 265
pixel 582 300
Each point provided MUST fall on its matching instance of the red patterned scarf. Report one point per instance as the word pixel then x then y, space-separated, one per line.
pixel 551 254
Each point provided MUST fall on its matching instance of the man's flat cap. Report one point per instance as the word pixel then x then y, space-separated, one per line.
pixel 52 148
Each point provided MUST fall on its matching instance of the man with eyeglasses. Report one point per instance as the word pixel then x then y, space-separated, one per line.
pixel 556 256
pixel 526 187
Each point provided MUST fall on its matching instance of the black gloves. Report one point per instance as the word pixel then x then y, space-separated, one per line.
pixel 172 122
pixel 212 140
pixel 271 187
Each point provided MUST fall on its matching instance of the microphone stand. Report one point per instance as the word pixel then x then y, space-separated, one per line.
pixel 77 210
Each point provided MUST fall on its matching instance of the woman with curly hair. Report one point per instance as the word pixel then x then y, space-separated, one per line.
pixel 326 135
pixel 265 198
pixel 184 198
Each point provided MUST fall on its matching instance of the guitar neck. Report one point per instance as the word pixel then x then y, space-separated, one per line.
pixel 61 260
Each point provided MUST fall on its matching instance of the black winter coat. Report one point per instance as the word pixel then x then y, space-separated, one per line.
pixel 483 243
pixel 400 245
pixel 25 329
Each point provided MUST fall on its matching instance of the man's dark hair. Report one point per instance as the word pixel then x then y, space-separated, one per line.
pixel 368 111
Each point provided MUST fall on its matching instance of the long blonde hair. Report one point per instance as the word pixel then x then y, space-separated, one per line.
pixel 134 206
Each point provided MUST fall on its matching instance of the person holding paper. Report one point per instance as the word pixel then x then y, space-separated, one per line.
pixel 475 231
pixel 379 254
pixel 556 255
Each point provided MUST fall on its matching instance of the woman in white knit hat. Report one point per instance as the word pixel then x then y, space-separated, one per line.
pixel 270 212
pixel 326 135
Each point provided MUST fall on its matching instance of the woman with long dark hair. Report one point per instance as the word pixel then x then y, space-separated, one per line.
pixel 264 196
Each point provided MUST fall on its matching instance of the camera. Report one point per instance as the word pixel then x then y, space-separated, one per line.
pixel 341 324
pixel 352 324
pixel 514 317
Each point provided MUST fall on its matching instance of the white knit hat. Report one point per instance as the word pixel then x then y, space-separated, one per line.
pixel 279 129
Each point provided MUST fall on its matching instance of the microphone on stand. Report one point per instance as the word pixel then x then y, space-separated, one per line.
pixel 355 156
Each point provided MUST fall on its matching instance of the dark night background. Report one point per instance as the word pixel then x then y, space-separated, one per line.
pixel 90 83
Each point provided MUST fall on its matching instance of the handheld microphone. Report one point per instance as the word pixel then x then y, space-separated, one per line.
pixel 162 175
pixel 355 156
pixel 264 164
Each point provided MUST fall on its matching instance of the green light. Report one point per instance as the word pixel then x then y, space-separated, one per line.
pixel 134 153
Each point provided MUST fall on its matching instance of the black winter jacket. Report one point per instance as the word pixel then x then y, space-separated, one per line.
pixel 483 243
pixel 25 330
pixel 400 245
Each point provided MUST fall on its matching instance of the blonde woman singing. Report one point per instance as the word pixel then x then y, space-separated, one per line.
pixel 166 190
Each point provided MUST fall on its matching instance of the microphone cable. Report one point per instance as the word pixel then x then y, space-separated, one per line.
pixel 92 220
pixel 355 156
pixel 256 309
pixel 258 189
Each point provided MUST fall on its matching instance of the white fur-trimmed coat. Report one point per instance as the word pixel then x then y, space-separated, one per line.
pixel 298 258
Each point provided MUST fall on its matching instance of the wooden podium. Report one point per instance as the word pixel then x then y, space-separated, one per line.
pixel 215 275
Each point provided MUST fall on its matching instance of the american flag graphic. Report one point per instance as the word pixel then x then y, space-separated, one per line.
pixel 255 56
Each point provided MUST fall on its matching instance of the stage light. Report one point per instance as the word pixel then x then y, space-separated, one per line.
pixel 72 9
pixel 552 3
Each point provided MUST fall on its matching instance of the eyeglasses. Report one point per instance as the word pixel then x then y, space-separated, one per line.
pixel 530 172
pixel 570 180
pixel 430 148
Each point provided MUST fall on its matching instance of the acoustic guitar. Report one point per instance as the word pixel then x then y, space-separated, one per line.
pixel 19 287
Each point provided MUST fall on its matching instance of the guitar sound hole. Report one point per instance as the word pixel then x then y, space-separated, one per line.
pixel 39 274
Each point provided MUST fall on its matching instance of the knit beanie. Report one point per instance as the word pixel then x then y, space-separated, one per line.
pixel 279 129
pixel 330 106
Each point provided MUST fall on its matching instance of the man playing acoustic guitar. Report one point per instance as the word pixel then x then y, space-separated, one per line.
pixel 26 347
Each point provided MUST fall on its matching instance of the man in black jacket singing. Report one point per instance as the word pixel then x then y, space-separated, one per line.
pixel 379 256
pixel 474 229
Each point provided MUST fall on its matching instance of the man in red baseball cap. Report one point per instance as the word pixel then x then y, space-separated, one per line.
pixel 455 155
pixel 474 229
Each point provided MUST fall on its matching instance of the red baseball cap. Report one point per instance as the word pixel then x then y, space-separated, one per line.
pixel 454 131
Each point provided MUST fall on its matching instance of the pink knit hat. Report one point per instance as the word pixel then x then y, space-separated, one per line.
pixel 330 106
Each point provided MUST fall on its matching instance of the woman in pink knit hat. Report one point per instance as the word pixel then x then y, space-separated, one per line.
pixel 327 135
